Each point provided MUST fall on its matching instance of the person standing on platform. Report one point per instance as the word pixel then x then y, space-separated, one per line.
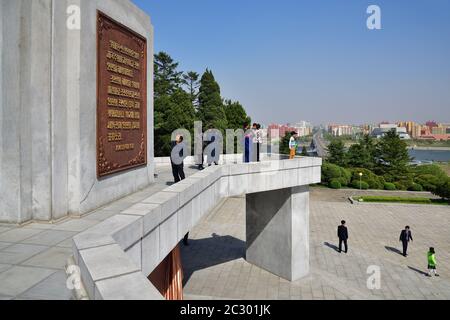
pixel 293 145
pixel 178 168
pixel 343 236
pixel 258 142
pixel 405 237
pixel 247 143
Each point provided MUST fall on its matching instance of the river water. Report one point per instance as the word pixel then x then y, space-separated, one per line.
pixel 430 155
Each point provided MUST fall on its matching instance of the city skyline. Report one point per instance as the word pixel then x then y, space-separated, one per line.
pixel 315 60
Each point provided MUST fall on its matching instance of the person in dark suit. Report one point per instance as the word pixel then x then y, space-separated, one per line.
pixel 178 169
pixel 343 236
pixel 405 237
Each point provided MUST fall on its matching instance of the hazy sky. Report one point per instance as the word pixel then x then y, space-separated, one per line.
pixel 315 60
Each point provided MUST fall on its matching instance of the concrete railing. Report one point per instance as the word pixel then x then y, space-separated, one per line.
pixel 116 256
pixel 224 159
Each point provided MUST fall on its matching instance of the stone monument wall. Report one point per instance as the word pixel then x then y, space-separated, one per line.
pixel 48 109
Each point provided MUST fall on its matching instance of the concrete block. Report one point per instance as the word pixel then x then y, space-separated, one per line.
pixel 169 201
pixel 277 229
pixel 224 186
pixel 239 169
pixel 135 254
pixel 168 235
pixel 150 212
pixel 103 263
pixel 150 252
pixel 304 176
pixel 124 229
pixel 300 232
pixel 238 185
pixel 188 189
pixel 256 182
pixel 127 287
pixel 88 240
pixel 289 178
pixel 184 220
pixel 196 210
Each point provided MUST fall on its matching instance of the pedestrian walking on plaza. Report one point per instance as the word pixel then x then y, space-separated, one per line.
pixel 405 237
pixel 178 168
pixel 293 145
pixel 432 262
pixel 343 236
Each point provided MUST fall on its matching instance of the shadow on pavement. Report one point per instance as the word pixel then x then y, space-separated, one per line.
pixel 332 246
pixel 394 250
pixel 418 271
pixel 205 253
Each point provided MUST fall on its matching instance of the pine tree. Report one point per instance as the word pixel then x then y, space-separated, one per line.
pixel 392 153
pixel 167 78
pixel 236 115
pixel 210 105
pixel 173 106
pixel 336 152
pixel 190 80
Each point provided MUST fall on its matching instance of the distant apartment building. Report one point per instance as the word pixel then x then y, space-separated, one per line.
pixel 384 128
pixel 302 129
pixel 412 128
pixel 343 130
pixel 435 132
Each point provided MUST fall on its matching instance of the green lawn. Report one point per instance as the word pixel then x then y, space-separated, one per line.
pixel 411 200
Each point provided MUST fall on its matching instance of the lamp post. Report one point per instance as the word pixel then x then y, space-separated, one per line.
pixel 360 181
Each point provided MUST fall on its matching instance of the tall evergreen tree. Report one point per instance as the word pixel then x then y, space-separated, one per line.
pixel 210 105
pixel 191 81
pixel 236 115
pixel 362 154
pixel 167 77
pixel 392 153
pixel 173 106
pixel 336 152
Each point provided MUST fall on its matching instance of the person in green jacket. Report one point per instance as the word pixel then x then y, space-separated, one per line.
pixel 432 262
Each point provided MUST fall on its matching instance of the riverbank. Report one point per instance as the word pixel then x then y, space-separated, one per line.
pixel 429 148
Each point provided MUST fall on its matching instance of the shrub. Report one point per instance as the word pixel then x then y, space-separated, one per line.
pixel 374 181
pixel 357 185
pixel 432 169
pixel 396 199
pixel 429 182
pixel 332 172
pixel 389 186
pixel 335 184
pixel 415 187
pixel 400 186
pixel 443 190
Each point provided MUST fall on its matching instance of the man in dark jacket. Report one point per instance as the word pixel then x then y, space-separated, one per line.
pixel 343 236
pixel 178 168
pixel 405 237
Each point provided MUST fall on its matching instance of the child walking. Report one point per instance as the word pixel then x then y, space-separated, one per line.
pixel 432 262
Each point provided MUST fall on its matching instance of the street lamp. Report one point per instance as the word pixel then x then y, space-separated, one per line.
pixel 360 181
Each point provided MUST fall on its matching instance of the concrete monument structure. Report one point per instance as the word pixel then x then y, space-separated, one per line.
pixel 116 256
pixel 48 107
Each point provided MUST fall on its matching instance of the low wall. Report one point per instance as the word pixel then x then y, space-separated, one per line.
pixel 116 256
pixel 224 159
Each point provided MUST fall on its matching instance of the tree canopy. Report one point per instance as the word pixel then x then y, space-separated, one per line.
pixel 181 99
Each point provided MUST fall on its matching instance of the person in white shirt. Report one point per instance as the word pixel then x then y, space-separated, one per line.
pixel 293 145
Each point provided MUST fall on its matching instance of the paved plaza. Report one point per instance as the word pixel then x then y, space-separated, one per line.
pixel 215 267
pixel 32 257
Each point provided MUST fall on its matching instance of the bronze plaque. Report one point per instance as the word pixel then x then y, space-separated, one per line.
pixel 121 97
